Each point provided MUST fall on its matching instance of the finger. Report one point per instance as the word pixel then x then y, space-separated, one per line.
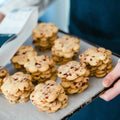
pixel 112 92
pixel 112 76
pixel 1 16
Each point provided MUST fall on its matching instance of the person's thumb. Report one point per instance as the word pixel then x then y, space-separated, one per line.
pixel 112 76
pixel 1 16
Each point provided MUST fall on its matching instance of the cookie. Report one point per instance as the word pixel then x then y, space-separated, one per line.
pixel 65 49
pixel 44 36
pixel 97 60
pixel 74 77
pixel 41 68
pixel 49 97
pixel 17 87
pixel 22 56
pixel 3 74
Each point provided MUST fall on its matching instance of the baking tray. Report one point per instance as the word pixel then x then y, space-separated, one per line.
pixel 27 111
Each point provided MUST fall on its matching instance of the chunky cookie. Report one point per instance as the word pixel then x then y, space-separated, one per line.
pixel 44 35
pixel 65 49
pixel 74 76
pixel 17 88
pixel 41 68
pixel 49 97
pixel 3 74
pixel 97 60
pixel 22 56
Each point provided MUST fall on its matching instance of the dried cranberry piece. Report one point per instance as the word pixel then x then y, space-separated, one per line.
pixel 98 50
pixel 76 69
pixel 37 64
pixel 24 88
pixel 26 79
pixel 44 59
pixel 16 79
pixel 75 53
pixel 24 52
pixel 72 67
pixel 65 74
pixel 46 97
pixel 87 79
pixel 70 74
pixel 60 72
pixel 77 74
pixel 90 59
pixel 65 99
pixel 51 84
pixel 75 83
pixel 83 84
pixel 2 71
pixel 80 55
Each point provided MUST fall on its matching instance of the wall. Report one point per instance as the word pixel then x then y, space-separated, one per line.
pixel 58 13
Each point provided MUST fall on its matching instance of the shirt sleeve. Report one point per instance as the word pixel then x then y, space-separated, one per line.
pixel 16 4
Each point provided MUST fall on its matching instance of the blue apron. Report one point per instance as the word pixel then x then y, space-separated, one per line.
pixel 97 21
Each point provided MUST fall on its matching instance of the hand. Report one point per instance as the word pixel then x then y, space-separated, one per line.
pixel 108 80
pixel 1 16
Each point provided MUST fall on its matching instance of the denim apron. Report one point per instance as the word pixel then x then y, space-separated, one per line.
pixel 97 21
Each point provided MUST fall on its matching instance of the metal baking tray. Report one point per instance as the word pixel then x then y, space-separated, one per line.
pixel 27 111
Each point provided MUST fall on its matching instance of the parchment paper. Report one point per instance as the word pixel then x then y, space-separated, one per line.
pixel 27 111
